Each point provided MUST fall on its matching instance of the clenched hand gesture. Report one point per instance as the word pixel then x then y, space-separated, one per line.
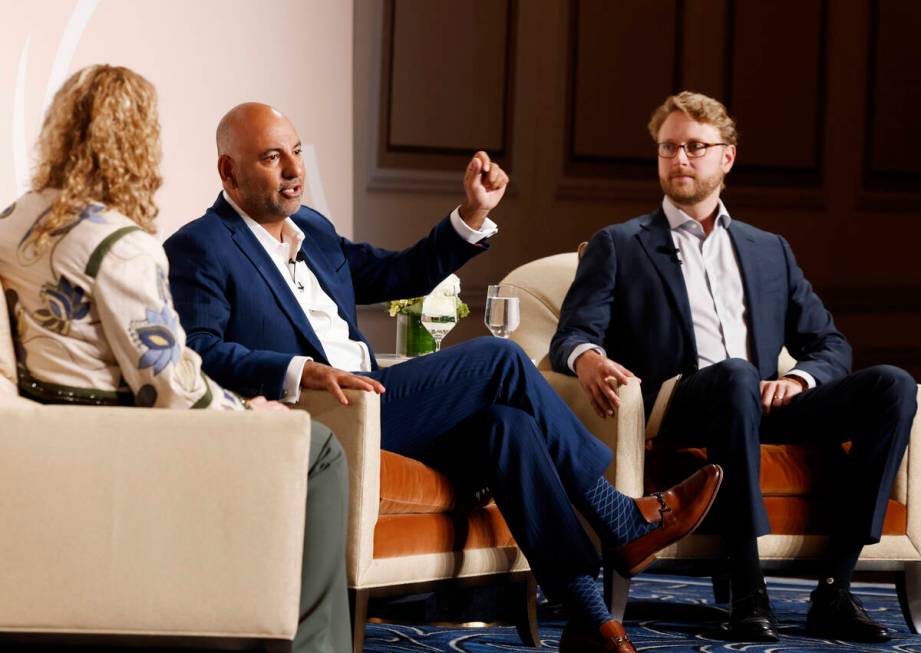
pixel 484 184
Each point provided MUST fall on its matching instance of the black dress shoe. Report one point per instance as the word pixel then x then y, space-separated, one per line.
pixel 751 618
pixel 835 613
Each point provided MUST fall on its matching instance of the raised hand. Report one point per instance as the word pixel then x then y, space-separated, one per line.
pixel 484 185
pixel 317 376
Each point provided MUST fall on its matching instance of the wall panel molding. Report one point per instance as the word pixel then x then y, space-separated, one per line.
pixel 891 169
pixel 609 138
pixel 725 65
pixel 415 127
pixel 780 104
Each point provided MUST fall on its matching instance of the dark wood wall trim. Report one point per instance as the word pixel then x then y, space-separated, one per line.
pixel 871 299
pixel 747 174
pixel 808 177
pixel 585 165
pixel 438 157
pixel 905 186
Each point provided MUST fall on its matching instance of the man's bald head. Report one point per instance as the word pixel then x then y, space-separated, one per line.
pixel 244 118
pixel 259 160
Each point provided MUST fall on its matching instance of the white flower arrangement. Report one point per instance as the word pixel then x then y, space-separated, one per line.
pixel 449 287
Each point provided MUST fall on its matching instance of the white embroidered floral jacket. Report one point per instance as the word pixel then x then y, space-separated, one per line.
pixel 92 316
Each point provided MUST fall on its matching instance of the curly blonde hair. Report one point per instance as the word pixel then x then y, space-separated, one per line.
pixel 100 142
pixel 698 107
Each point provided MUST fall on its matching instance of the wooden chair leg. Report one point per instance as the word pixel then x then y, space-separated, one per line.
pixel 525 612
pixel 358 611
pixel 908 586
pixel 722 592
pixel 616 590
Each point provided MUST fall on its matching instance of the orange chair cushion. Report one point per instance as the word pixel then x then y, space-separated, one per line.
pixel 800 516
pixel 787 470
pixel 408 486
pixel 793 478
pixel 403 535
pixel 419 513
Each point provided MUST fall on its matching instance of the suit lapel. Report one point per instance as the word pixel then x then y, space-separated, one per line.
pixel 255 252
pixel 656 238
pixel 748 257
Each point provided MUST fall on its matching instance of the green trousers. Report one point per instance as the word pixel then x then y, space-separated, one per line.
pixel 324 611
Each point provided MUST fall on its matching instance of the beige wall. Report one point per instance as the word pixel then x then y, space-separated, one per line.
pixel 204 56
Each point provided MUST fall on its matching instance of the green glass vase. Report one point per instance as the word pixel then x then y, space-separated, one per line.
pixel 412 338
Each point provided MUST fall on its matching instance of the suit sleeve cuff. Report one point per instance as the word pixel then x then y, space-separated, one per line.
pixel 472 236
pixel 291 390
pixel 805 376
pixel 578 351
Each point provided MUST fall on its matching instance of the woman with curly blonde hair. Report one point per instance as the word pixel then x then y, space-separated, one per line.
pixel 85 279
pixel 100 142
pixel 93 320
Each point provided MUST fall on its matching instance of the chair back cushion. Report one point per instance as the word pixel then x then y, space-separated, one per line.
pixel 544 282
pixel 8 385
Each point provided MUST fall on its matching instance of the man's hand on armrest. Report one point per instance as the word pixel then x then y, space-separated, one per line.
pixel 593 371
pixel 317 376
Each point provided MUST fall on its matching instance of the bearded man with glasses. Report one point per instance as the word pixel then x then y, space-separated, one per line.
pixel 690 290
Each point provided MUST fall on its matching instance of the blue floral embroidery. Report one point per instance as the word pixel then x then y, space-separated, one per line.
pixel 66 304
pixel 8 211
pixel 93 213
pixel 157 333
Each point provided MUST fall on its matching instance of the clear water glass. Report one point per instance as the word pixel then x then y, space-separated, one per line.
pixel 503 310
pixel 439 315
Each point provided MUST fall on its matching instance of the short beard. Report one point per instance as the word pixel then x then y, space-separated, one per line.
pixel 269 208
pixel 701 190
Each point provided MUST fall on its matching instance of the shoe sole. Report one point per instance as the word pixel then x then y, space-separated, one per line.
pixel 828 635
pixel 640 566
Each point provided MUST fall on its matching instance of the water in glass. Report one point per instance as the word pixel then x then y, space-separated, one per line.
pixel 502 315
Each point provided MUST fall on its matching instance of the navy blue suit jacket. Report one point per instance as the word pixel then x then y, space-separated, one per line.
pixel 240 315
pixel 629 297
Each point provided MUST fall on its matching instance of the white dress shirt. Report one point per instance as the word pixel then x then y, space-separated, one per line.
pixel 320 310
pixel 715 291
pixel 714 284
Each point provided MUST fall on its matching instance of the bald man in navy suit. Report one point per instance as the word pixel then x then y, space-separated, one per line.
pixel 267 291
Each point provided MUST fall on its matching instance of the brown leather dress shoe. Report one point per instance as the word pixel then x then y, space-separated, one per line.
pixel 610 637
pixel 678 511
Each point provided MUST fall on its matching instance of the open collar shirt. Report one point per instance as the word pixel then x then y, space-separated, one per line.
pixel 714 284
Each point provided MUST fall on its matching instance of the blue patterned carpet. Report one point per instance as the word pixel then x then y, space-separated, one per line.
pixel 665 613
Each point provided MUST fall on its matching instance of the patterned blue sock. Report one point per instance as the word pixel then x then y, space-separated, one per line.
pixel 613 515
pixel 585 601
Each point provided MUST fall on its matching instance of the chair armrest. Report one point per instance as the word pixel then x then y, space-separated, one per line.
pixel 151 521
pixel 624 433
pixel 907 486
pixel 358 428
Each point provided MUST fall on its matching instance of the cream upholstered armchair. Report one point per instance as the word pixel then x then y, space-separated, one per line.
pixel 142 524
pixel 790 475
pixel 409 531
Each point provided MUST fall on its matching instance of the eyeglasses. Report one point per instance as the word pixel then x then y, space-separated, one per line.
pixel 693 149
